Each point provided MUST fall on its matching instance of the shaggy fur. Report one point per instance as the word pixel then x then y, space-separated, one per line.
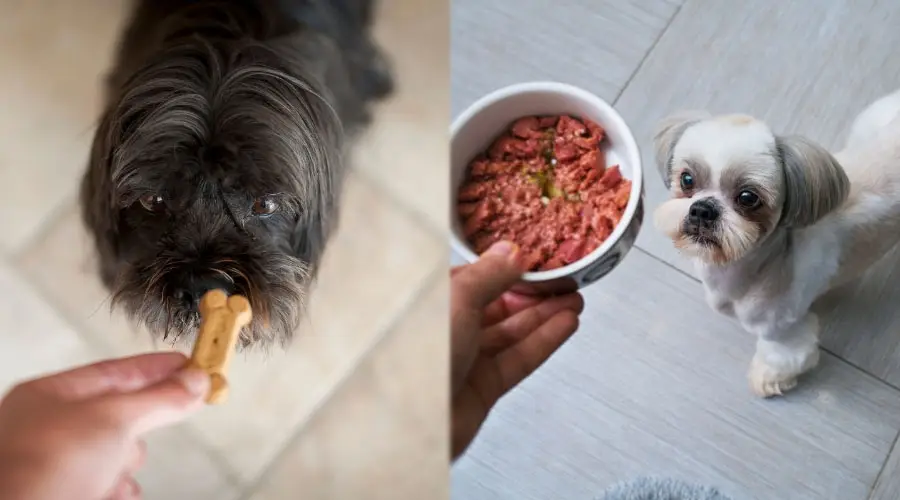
pixel 218 162
pixel 789 221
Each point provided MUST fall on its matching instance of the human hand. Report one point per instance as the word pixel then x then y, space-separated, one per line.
pixel 498 337
pixel 77 434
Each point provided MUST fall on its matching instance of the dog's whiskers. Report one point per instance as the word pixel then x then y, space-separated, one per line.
pixel 167 326
pixel 154 279
pixel 106 300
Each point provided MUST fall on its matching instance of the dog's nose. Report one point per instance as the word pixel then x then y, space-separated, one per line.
pixel 192 291
pixel 703 212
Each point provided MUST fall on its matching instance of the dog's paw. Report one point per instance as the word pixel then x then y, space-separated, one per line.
pixel 768 380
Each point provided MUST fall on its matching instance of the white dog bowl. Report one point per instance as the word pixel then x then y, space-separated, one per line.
pixel 485 120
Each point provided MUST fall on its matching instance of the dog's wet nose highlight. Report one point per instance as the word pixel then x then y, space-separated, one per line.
pixel 703 212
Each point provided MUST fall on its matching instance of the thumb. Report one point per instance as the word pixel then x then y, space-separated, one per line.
pixel 478 284
pixel 165 403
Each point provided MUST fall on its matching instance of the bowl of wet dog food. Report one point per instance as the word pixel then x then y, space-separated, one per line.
pixel 554 169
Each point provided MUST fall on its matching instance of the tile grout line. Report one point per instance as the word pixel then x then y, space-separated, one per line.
pixel 430 280
pixel 884 464
pixel 71 320
pixel 46 225
pixel 649 50
pixel 412 212
pixel 889 385
pixel 667 264
pixel 860 369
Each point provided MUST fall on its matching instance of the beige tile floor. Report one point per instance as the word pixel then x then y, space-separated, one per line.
pixel 356 402
pixel 653 383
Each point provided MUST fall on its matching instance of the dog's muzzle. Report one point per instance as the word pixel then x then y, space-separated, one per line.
pixel 190 291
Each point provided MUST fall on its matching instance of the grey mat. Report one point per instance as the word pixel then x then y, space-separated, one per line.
pixel 649 488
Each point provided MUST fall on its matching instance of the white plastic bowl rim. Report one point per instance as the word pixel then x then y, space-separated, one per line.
pixel 614 121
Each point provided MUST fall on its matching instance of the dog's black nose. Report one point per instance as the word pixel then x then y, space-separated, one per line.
pixel 703 212
pixel 193 290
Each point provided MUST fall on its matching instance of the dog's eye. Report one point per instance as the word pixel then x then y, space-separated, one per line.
pixel 264 205
pixel 748 199
pixel 687 181
pixel 153 202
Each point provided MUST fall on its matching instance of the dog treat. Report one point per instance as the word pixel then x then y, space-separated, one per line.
pixel 544 185
pixel 222 318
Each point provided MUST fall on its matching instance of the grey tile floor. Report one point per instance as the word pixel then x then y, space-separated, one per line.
pixel 653 383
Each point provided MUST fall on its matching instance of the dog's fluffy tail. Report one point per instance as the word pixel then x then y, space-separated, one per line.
pixel 874 119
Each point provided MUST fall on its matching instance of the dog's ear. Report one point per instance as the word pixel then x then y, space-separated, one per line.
pixel 668 133
pixel 815 183
pixel 316 224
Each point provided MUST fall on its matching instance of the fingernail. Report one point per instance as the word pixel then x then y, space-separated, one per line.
pixel 503 249
pixel 194 381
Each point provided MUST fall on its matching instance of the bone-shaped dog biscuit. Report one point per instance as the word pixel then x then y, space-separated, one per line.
pixel 221 320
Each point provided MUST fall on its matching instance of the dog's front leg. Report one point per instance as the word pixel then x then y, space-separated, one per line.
pixel 783 355
pixel 719 302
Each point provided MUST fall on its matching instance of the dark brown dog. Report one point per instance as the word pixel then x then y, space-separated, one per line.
pixel 218 161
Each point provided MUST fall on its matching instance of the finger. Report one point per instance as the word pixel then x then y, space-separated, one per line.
pixel 160 405
pixel 520 325
pixel 134 488
pixel 523 358
pixel 511 303
pixel 508 304
pixel 126 489
pixel 138 457
pixel 117 375
pixel 484 281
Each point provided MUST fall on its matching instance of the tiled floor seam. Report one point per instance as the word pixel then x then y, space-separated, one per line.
pixel 884 464
pixel 77 324
pixel 431 279
pixel 652 47
pixel 840 358
pixel 50 221
pixel 404 206
pixel 231 476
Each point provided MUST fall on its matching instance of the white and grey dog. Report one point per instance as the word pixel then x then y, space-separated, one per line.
pixel 774 221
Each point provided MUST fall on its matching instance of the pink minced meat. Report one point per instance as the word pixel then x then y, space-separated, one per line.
pixel 544 185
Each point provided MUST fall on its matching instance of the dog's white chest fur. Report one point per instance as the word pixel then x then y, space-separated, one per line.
pixel 721 288
pixel 790 270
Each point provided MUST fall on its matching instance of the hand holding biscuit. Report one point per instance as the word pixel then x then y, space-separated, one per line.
pixel 78 433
